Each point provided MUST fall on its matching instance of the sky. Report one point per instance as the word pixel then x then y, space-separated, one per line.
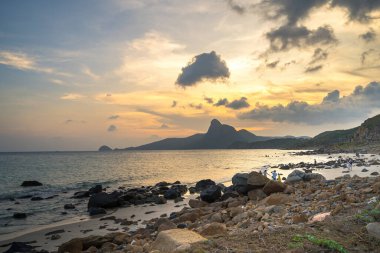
pixel 75 75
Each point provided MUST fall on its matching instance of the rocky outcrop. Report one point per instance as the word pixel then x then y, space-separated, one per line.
pixel 369 131
pixel 104 148
pixel 31 183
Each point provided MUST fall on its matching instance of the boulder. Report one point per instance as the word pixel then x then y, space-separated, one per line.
pixel 214 228
pixel 273 187
pixel 69 206
pixel 181 188
pixel 239 182
pixel 204 184
pixel 96 210
pixel 17 247
pixel 19 215
pixel 373 229
pixel 172 194
pixel 230 194
pixel 256 195
pixel 256 180
pixel 211 194
pixel 81 194
pixel 166 225
pixel 295 176
pixel 72 246
pixel 314 176
pixel 277 199
pixel 31 183
pixel 104 200
pixel 194 203
pixel 374 173
pixel 96 189
pixel 160 200
pixel 170 240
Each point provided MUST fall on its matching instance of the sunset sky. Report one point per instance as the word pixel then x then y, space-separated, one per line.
pixel 77 74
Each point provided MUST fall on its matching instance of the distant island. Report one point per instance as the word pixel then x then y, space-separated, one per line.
pixel 365 137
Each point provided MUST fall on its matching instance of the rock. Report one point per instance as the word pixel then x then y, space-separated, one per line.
pixel 284 167
pixel 92 249
pixel 256 195
pixel 230 194
pixel 300 218
pixel 214 228
pixel 160 200
pixel 104 148
pixel 216 217
pixel 81 194
pixel 96 210
pixel 211 194
pixel 72 246
pixel 256 180
pixel 194 203
pixel 364 170
pixel 172 194
pixel 374 173
pixel 19 215
pixel 168 241
pixel 192 216
pixel 240 179
pixel 192 190
pixel 108 247
pixel 55 237
pixel 69 206
pixel 277 199
pixel 59 231
pixel 36 198
pixel 376 187
pixel 31 183
pixel 373 229
pixel 166 225
pixel 104 200
pixel 313 176
pixel 204 184
pixel 273 187
pixel 96 189
pixel 17 247
pixel 295 176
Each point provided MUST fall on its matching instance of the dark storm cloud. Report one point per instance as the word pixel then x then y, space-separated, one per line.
pixel 206 66
pixel 238 104
pixel 368 36
pixel 113 117
pixel 312 69
pixel 362 102
pixel 288 36
pixel 112 128
pixel 209 100
pixel 221 102
pixel 273 65
pixel 174 104
pixel 358 10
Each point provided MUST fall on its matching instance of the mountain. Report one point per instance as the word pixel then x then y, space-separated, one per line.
pixel 104 148
pixel 218 136
pixel 368 132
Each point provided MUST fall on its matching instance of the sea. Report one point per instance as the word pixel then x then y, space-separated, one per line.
pixel 64 173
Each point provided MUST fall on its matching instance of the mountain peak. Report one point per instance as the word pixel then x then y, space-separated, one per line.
pixel 215 122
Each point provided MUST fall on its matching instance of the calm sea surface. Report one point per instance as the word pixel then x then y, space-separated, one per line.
pixel 64 173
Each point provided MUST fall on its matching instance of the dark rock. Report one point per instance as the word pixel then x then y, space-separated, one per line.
pixel 96 189
pixel 172 194
pixel 256 195
pixel 284 167
pixel 364 170
pixel 228 195
pixel 104 200
pixel 59 231
pixel 204 184
pixel 69 206
pixel 181 188
pixel 36 199
pixel 211 194
pixel 163 183
pixel 256 180
pixel 177 182
pixel 374 173
pixel 182 225
pixel 25 196
pixel 295 176
pixel 31 183
pixel 239 182
pixel 81 194
pixel 104 148
pixel 160 200
pixel 96 210
pixel 273 187
pixel 19 247
pixel 192 190
pixel 19 215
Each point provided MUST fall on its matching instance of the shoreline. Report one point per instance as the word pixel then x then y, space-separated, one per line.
pixel 84 226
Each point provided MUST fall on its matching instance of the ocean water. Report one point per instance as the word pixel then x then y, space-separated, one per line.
pixel 63 173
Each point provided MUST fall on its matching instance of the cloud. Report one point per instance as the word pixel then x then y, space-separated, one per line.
pixel 164 126
pixel 236 7
pixel 87 71
pixel 273 65
pixel 206 66
pixel 238 104
pixel 198 107
pixel 368 36
pixel 209 100
pixel 71 121
pixel 21 61
pixel 288 36
pixel 319 55
pixel 362 102
pixel 365 55
pixel 221 102
pixel 358 10
pixel 72 96
pixel 174 104
pixel 113 117
pixel 312 69
pixel 112 128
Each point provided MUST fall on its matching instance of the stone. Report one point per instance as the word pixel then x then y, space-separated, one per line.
pixel 277 199
pixel 256 195
pixel 229 194
pixel 69 206
pixel 299 218
pixel 163 224
pixel 373 229
pixel 172 194
pixel 204 184
pixel 36 198
pixel 17 247
pixel 216 217
pixel 72 246
pixel 108 247
pixel 96 210
pixel 19 215
pixel 194 203
pixel 160 200
pixel 192 216
pixel 256 180
pixel 374 173
pixel 168 241
pixel 211 194
pixel 214 228
pixel 96 189
pixel 364 170
pixel 104 200
pixel 92 249
pixel 81 194
pixel 31 183
pixel 273 187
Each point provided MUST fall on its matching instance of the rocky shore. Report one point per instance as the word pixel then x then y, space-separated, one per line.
pixel 305 213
